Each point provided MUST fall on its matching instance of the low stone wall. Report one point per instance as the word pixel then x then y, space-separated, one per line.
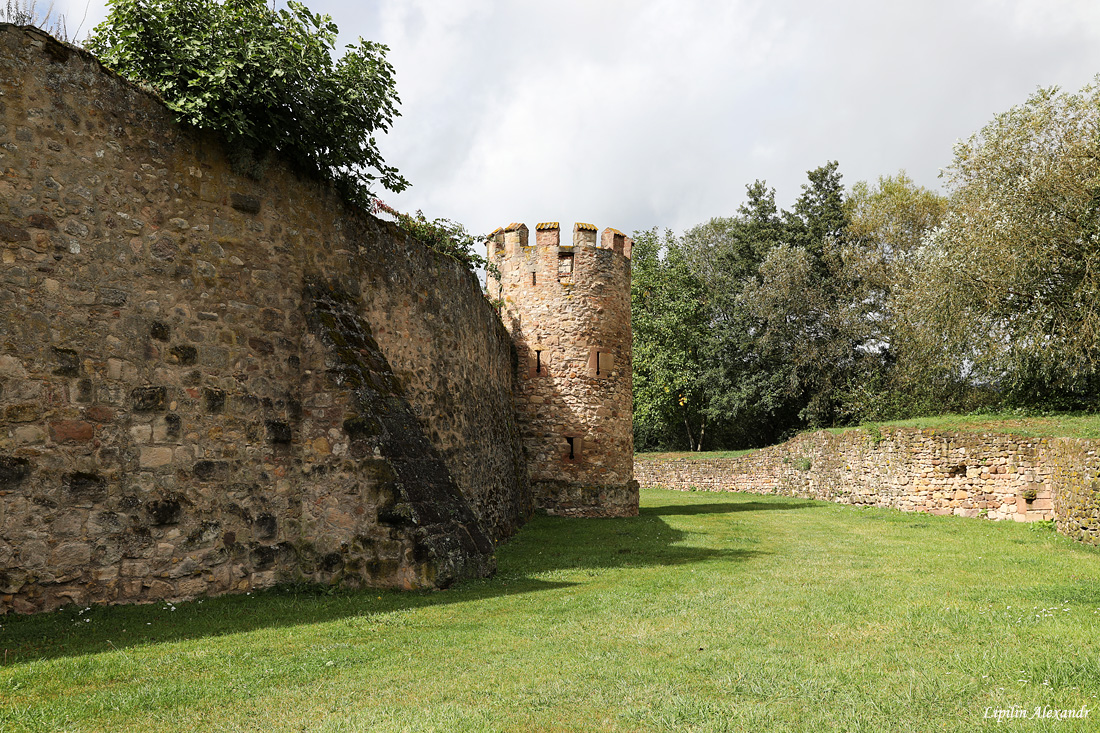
pixel 965 474
pixel 1076 478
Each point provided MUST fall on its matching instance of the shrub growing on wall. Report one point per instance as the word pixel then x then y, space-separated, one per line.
pixel 442 235
pixel 263 77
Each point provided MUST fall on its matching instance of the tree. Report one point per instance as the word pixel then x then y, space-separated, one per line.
pixel 818 222
pixel 892 217
pixel 726 250
pixel 1007 295
pixel 804 302
pixel 265 78
pixel 887 224
pixel 670 316
pixel 745 399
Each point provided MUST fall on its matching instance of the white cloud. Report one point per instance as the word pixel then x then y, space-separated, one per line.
pixel 639 113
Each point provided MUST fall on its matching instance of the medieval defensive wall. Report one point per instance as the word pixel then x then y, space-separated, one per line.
pixel 214 382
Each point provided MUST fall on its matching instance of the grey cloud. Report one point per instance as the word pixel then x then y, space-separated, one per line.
pixel 640 113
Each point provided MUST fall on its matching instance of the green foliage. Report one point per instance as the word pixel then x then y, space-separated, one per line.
pixel 874 433
pixel 1006 294
pixel 442 235
pixel 891 219
pixel 818 222
pixel 266 79
pixel 777 330
pixel 669 312
pixel 895 301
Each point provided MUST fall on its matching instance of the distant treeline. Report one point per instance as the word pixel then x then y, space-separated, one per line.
pixel 885 301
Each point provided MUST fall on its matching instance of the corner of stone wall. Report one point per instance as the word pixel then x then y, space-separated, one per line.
pixel 1076 478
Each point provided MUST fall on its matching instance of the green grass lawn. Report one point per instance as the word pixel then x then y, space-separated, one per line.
pixel 709 612
pixel 696 455
pixel 1066 425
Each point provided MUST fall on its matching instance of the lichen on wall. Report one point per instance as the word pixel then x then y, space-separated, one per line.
pixel 1076 479
pixel 211 382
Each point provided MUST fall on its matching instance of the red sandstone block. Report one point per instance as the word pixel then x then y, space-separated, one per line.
pixel 99 413
pixel 76 431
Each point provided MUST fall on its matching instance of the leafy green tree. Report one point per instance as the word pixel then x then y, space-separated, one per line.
pixel 772 321
pixel 727 250
pixel 670 315
pixel 803 303
pixel 744 398
pixel 892 217
pixel 887 224
pixel 1007 291
pixel 265 78
pixel 818 222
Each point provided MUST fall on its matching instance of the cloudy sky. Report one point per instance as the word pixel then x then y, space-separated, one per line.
pixel 643 113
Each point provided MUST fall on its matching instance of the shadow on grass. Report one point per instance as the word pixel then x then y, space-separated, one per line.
pixel 546 546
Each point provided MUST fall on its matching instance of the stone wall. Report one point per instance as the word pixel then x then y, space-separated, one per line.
pixel 1075 475
pixel 965 474
pixel 212 382
pixel 567 306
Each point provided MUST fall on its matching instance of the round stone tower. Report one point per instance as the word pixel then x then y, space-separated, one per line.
pixel 567 306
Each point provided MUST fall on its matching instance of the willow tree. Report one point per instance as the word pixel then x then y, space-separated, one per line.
pixel 1006 294
pixel 889 220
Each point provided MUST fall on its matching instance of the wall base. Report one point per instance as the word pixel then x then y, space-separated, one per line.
pixel 562 499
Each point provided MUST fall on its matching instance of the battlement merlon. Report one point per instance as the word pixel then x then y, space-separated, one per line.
pixel 515 237
pixel 511 239
pixel 547 234
pixel 494 243
pixel 615 240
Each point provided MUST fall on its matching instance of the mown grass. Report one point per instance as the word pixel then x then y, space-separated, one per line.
pixel 1065 425
pixel 709 612
pixel 697 455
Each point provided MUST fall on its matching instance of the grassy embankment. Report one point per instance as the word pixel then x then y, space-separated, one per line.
pixel 1072 425
pixel 709 612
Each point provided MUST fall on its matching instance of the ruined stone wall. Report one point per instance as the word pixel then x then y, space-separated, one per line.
pixel 567 306
pixel 965 474
pixel 211 382
pixel 1075 475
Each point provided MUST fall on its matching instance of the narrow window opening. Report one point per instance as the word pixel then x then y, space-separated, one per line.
pixel 533 280
pixel 572 455
pixel 565 264
pixel 601 364
pixel 538 362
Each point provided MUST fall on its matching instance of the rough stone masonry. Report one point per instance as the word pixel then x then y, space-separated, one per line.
pixel 567 307
pixel 989 475
pixel 213 383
